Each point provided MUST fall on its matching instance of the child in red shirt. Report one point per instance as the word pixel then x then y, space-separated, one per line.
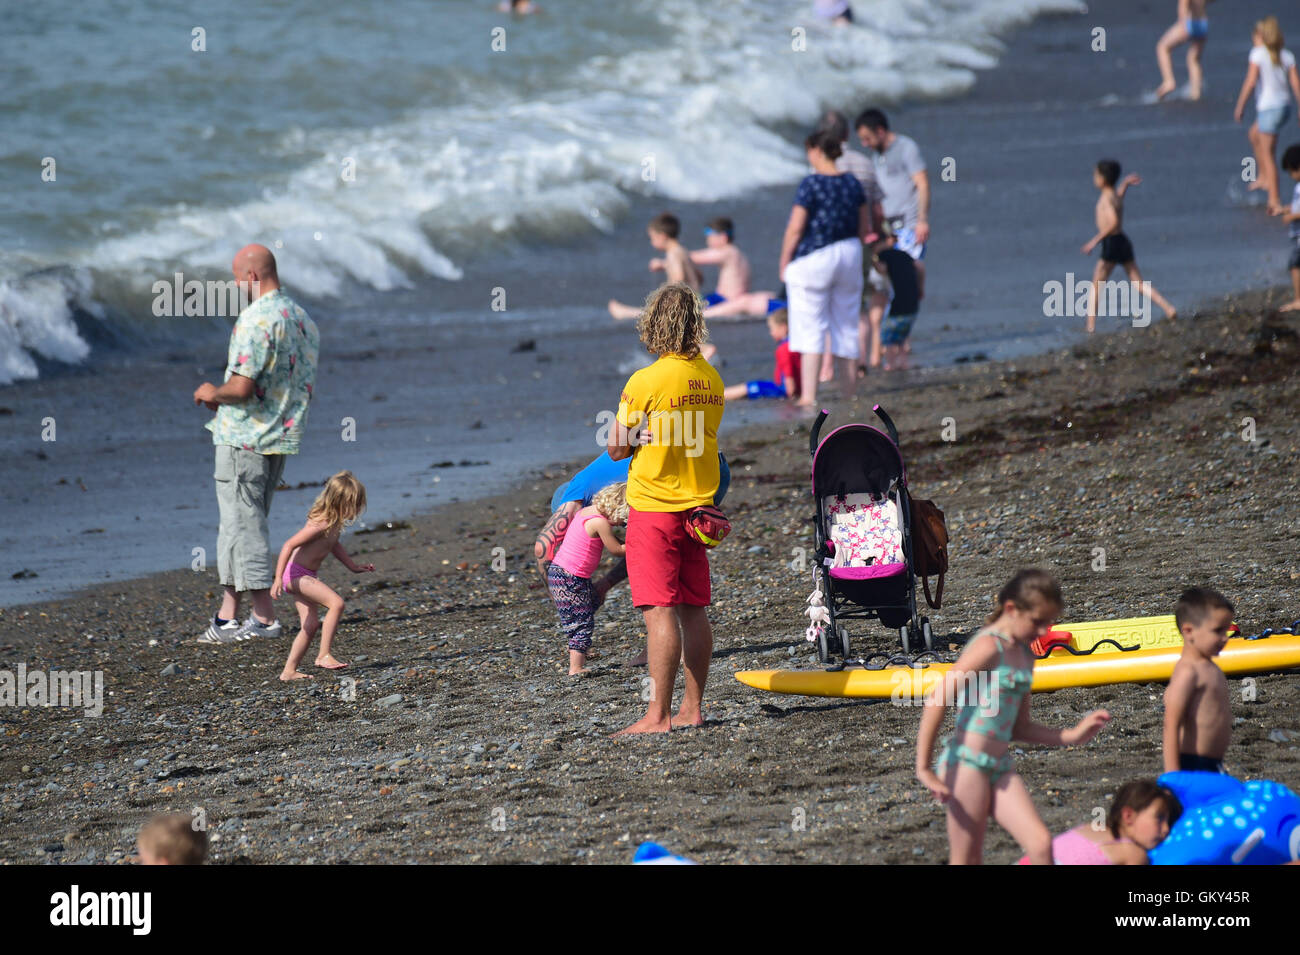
pixel 785 377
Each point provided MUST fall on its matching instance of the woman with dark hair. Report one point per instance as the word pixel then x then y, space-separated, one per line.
pixel 821 265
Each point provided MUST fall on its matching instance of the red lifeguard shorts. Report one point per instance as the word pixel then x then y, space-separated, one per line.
pixel 666 566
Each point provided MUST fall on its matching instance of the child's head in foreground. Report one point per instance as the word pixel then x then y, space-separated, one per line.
pixel 778 324
pixel 341 502
pixel 611 503
pixel 663 228
pixel 1291 161
pixel 172 840
pixel 672 322
pixel 1106 173
pixel 1203 617
pixel 721 231
pixel 1033 598
pixel 1143 811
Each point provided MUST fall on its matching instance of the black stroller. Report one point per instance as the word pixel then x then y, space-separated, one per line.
pixel 864 536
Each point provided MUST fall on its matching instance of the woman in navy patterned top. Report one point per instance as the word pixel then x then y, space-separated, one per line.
pixel 821 265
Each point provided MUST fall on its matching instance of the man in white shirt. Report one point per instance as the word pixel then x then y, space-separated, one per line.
pixel 901 174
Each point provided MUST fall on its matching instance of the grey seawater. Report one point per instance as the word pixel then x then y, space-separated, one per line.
pixel 126 488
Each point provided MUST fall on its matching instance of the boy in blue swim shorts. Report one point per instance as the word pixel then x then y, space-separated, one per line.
pixel 1191 28
pixel 785 377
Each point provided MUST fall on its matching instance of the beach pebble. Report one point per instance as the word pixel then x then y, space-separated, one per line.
pixel 170 669
pixel 390 700
pixel 1277 736
pixel 141 763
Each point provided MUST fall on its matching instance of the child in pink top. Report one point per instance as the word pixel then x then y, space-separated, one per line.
pixel 1138 821
pixel 568 577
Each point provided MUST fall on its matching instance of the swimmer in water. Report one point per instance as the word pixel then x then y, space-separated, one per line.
pixel 519 7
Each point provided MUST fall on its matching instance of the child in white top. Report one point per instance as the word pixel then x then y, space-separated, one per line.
pixel 1271 68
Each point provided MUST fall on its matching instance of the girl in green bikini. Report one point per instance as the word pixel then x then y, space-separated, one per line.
pixel 989 686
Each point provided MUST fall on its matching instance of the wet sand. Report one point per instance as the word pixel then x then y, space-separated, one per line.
pixel 466 742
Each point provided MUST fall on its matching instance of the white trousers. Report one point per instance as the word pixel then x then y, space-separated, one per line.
pixel 823 292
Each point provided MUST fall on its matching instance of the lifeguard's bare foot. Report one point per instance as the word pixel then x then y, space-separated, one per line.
pixel 645 725
pixel 294 675
pixel 1164 89
pixel 329 663
pixel 687 720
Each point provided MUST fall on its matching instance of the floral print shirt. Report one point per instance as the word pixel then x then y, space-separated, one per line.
pixel 276 344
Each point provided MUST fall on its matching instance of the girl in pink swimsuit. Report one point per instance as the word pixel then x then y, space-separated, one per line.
pixel 1138 821
pixel 339 504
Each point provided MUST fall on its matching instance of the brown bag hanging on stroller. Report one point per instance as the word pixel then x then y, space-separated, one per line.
pixel 929 548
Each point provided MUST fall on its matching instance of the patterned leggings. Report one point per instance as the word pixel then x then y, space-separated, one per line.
pixel 575 600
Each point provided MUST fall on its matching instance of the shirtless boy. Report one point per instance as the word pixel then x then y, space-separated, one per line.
pixel 1198 716
pixel 1116 249
pixel 732 297
pixel 676 263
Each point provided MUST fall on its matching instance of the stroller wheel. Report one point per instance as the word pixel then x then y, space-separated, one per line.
pixel 904 636
pixel 823 647
pixel 926 636
pixel 844 642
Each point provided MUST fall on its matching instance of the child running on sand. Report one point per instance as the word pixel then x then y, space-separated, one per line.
pixel 1198 716
pixel 1291 163
pixel 663 231
pixel 1192 27
pixel 732 297
pixel 339 504
pixel 1138 821
pixel 568 577
pixel 989 685
pixel 785 377
pixel 1271 67
pixel 1115 246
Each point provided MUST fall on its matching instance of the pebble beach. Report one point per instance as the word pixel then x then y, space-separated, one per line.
pixel 456 737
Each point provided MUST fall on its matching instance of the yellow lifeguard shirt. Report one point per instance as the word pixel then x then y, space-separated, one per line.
pixel 681 400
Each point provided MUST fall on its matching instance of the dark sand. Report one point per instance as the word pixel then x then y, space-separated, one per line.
pixel 1132 443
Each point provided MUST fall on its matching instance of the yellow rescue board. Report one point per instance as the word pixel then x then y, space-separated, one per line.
pixel 1146 633
pixel 1056 672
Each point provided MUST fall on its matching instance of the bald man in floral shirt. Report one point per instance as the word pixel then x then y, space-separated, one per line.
pixel 261 411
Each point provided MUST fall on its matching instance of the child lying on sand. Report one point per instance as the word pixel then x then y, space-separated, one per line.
pixel 1138 821
pixel 732 299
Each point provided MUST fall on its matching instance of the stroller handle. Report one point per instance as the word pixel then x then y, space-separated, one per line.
pixel 889 422
pixel 816 431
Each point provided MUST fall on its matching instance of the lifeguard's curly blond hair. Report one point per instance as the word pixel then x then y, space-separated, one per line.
pixel 672 322
pixel 341 502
